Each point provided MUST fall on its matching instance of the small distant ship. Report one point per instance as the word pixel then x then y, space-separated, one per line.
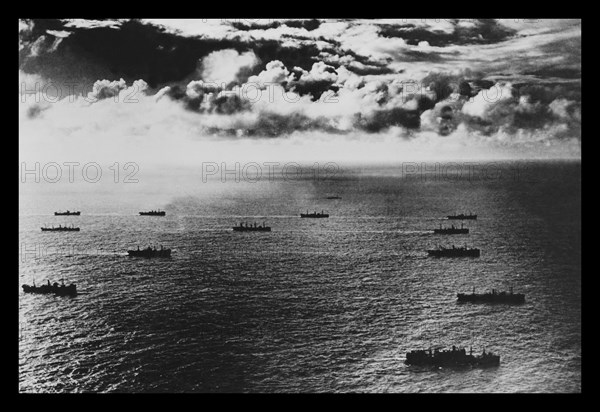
pixel 251 228
pixel 454 252
pixel 451 230
pixel 462 216
pixel 492 297
pixel 333 197
pixel 67 213
pixel 453 357
pixel 153 213
pixel 314 215
pixel 60 229
pixel 150 252
pixel 60 290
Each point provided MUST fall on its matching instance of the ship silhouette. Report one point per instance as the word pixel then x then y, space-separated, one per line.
pixel 451 230
pixel 60 290
pixel 451 357
pixel 251 228
pixel 462 216
pixel 492 297
pixel 60 229
pixel 153 213
pixel 67 213
pixel 454 252
pixel 150 252
pixel 314 215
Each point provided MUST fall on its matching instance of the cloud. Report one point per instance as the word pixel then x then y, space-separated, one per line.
pixel 59 33
pixel 91 24
pixel 458 32
pixel 274 72
pixel 224 66
pixel 103 89
pixel 485 103
pixel 414 80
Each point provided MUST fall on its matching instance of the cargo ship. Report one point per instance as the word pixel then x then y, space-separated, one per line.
pixel 314 215
pixel 454 252
pixel 462 216
pixel 150 252
pixel 451 230
pixel 492 297
pixel 60 229
pixel 251 228
pixel 67 213
pixel 55 288
pixel 153 213
pixel 451 357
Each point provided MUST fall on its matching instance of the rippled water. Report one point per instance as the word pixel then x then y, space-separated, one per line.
pixel 317 305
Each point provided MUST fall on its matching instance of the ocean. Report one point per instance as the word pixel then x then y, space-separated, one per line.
pixel 316 305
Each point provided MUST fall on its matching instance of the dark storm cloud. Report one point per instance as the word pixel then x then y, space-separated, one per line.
pixel 417 55
pixel 367 60
pixel 308 64
pixel 547 93
pixel 315 89
pixel 136 50
pixel 206 98
pixel 567 47
pixel 385 118
pixel 309 25
pixel 364 70
pixel 133 51
pixel 561 72
pixel 482 31
pixel 526 107
pixel 38 27
pixel 273 124
pixel 441 84
pixel 302 55
pixel 467 84
pixel 358 64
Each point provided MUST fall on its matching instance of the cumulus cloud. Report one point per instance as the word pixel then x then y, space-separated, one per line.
pixel 274 72
pixel 224 66
pixel 298 77
pixel 485 103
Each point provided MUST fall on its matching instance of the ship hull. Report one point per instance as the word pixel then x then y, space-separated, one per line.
pixel 457 363
pixel 450 231
pixel 152 214
pixel 303 215
pixel 70 290
pixel 46 229
pixel 515 298
pixel 67 214
pixel 251 229
pixel 165 253
pixel 454 253
pixel 450 359
pixel 462 217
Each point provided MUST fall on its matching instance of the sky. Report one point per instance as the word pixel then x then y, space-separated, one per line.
pixel 179 92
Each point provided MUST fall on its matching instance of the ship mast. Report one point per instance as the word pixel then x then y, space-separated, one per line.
pixel 471 345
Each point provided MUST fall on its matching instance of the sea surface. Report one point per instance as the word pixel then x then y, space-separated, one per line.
pixel 316 305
